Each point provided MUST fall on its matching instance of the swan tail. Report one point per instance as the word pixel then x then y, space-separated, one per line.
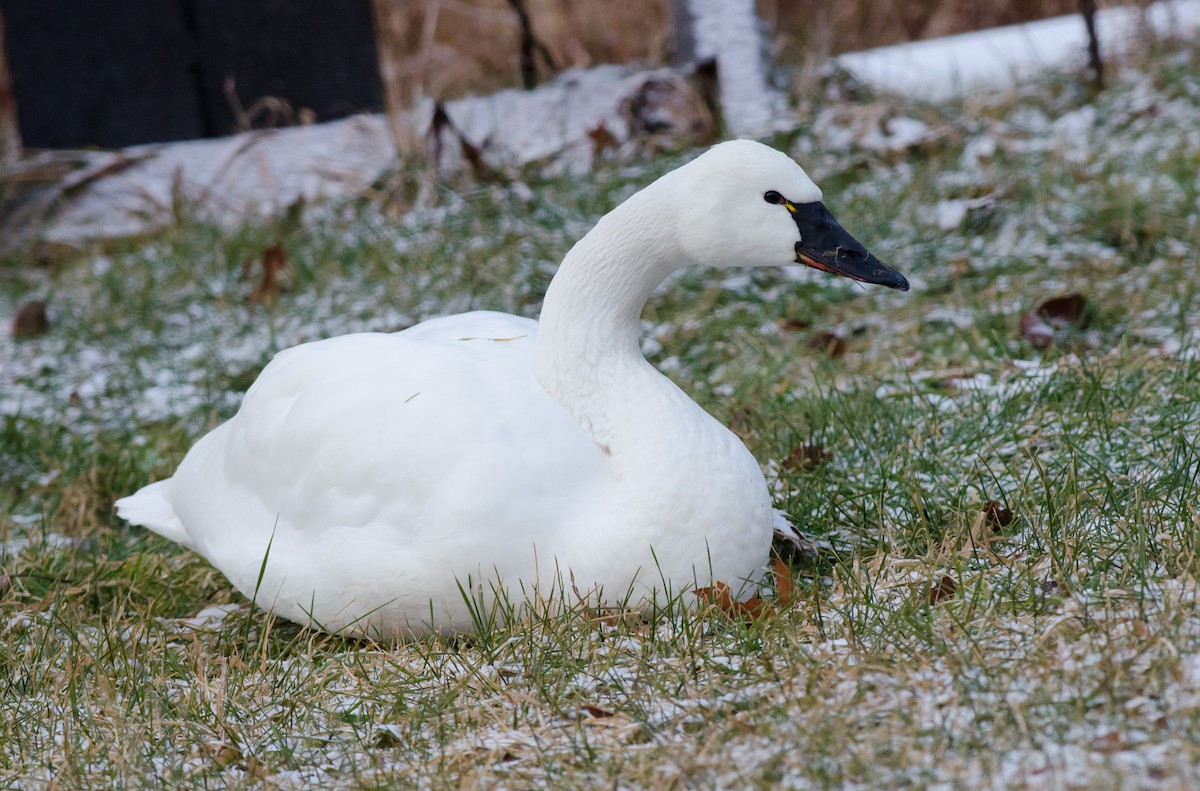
pixel 150 508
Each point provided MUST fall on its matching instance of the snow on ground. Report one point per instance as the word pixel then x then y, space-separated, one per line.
pixel 1000 58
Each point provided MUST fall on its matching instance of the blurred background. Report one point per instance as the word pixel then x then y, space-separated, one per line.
pixel 110 75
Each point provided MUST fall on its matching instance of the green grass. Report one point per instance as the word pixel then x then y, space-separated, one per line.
pixel 1062 652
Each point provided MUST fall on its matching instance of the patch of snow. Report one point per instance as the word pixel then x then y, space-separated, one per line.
pixel 896 134
pixel 17 544
pixel 1004 57
pixel 977 151
pixel 208 619
pixel 950 214
pixel 840 127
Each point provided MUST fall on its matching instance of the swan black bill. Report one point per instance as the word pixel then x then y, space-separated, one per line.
pixel 825 245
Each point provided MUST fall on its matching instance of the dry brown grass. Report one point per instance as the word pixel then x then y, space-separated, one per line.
pixel 452 47
pixel 448 48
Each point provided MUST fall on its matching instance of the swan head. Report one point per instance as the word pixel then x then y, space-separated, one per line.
pixel 745 204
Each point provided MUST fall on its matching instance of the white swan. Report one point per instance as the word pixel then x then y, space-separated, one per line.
pixel 370 479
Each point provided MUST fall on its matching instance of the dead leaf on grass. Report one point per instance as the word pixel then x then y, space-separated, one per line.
pixel 828 342
pixel 723 601
pixel 945 589
pixel 31 320
pixel 274 264
pixel 997 515
pixel 785 589
pixel 807 457
pixel 1067 311
pixel 792 324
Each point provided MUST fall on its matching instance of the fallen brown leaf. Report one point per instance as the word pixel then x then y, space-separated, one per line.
pixel 792 324
pixel 945 589
pixel 723 601
pixel 997 514
pixel 719 595
pixel 754 609
pixel 229 755
pixel 785 590
pixel 255 768
pixel 274 262
pixel 827 342
pixel 595 711
pixel 1066 310
pixel 31 319
pixel 807 457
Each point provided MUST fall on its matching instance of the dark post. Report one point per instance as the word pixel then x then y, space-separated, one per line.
pixel 1088 7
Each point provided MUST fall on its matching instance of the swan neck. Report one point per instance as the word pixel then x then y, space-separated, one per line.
pixel 593 307
pixel 589 358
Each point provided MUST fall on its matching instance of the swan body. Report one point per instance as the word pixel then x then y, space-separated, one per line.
pixel 378 484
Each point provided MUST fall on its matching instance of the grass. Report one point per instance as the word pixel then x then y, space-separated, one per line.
pixel 929 645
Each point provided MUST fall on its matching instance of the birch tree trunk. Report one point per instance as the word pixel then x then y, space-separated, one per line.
pixel 729 32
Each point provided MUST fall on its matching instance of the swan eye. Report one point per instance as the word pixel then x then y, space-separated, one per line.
pixel 773 197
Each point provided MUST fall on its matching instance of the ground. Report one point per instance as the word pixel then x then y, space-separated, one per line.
pixel 1004 502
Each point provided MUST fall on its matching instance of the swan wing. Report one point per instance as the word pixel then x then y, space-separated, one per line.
pixel 428 452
